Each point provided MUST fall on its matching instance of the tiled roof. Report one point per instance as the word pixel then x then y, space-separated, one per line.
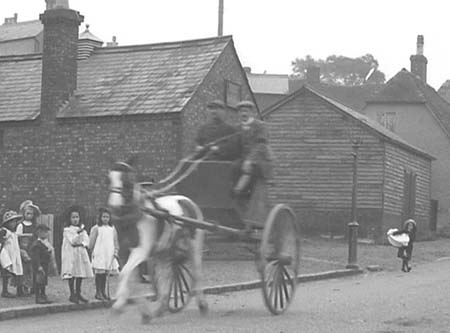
pixel 20 30
pixel 444 90
pixel 144 79
pixel 20 87
pixel 402 88
pixel 405 87
pixel 376 128
pixel 128 80
pixel 354 97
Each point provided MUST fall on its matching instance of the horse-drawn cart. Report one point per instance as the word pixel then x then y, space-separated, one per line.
pixel 210 185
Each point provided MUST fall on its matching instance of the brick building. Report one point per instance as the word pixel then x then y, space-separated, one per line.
pixel 67 113
pixel 311 136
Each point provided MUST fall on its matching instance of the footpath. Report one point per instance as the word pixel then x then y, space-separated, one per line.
pixel 230 267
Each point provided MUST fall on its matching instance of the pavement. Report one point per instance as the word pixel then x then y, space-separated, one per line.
pixel 228 267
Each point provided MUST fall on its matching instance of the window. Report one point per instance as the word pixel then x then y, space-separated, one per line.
pixel 388 120
pixel 232 93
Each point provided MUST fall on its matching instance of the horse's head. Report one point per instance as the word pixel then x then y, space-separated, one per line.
pixel 122 180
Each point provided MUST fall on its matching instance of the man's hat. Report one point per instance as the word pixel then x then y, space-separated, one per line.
pixel 245 104
pixel 42 227
pixel 9 216
pixel 216 104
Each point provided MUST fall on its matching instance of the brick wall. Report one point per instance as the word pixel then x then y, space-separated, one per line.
pixel 58 166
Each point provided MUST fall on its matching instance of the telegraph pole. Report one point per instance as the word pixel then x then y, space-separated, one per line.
pixel 220 28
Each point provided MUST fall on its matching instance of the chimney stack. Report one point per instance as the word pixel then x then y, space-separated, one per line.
pixel 114 42
pixel 59 55
pixel 313 74
pixel 419 61
pixel 11 20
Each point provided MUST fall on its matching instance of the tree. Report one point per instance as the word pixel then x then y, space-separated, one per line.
pixel 341 70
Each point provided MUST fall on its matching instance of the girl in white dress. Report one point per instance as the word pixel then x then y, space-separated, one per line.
pixel 104 245
pixel 75 263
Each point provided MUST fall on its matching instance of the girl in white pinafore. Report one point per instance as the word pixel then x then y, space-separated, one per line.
pixel 104 245
pixel 75 263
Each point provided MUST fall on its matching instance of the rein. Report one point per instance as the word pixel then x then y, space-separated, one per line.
pixel 182 162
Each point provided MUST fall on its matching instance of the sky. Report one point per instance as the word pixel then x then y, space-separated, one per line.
pixel 269 35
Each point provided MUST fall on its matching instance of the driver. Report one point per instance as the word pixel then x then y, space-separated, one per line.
pixel 218 133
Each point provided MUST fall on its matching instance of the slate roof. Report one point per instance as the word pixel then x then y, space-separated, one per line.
pixel 127 80
pixel 444 90
pixel 365 121
pixel 143 79
pixel 20 30
pixel 405 87
pixel 20 87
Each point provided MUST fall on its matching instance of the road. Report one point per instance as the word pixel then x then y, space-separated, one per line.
pixel 418 301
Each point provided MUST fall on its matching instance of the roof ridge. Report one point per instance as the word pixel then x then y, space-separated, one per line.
pixel 21 57
pixel 18 23
pixel 162 45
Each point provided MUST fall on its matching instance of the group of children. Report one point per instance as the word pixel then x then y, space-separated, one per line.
pixel 26 255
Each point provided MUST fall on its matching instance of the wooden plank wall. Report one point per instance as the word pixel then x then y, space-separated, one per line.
pixel 313 157
pixel 397 160
pixel 48 220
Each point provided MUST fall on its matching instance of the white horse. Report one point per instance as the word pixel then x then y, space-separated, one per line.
pixel 131 204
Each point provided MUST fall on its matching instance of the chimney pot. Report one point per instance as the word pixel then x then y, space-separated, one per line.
pixel 248 69
pixel 419 61
pixel 420 42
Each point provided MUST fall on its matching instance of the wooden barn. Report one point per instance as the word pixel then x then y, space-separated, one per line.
pixel 311 136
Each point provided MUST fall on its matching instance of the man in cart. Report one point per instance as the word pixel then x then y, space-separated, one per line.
pixel 218 135
pixel 255 167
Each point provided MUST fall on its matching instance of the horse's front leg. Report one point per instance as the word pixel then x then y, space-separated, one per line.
pixel 147 231
pixel 196 248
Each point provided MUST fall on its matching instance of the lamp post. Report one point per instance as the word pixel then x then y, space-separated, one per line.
pixel 353 225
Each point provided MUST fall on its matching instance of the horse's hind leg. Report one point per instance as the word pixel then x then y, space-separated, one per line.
pixel 196 248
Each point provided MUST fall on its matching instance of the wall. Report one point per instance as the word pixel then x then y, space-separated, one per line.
pixel 417 125
pixel 314 165
pixel 398 160
pixel 58 166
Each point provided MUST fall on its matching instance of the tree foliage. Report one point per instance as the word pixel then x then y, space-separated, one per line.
pixel 341 70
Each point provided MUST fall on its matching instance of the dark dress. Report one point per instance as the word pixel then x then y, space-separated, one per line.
pixel 405 252
pixel 40 257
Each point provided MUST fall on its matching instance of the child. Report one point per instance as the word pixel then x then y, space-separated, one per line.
pixel 74 256
pixel 25 231
pixel 405 252
pixel 10 251
pixel 104 245
pixel 41 256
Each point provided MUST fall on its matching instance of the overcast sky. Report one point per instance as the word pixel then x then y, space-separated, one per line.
pixel 270 34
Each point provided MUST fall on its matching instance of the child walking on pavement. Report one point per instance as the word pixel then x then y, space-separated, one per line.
pixel 41 256
pixel 75 263
pixel 405 252
pixel 104 245
pixel 10 251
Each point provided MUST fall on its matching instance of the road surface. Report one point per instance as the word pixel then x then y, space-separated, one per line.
pixel 418 301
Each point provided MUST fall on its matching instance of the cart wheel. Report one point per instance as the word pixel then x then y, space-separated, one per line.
pixel 181 281
pixel 279 258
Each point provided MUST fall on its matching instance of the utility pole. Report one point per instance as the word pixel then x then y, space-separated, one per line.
pixel 220 29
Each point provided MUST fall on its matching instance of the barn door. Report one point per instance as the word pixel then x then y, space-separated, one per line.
pixel 409 195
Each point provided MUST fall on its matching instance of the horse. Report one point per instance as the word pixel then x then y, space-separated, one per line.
pixel 132 206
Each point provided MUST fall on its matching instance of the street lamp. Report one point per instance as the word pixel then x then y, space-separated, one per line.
pixel 353 225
